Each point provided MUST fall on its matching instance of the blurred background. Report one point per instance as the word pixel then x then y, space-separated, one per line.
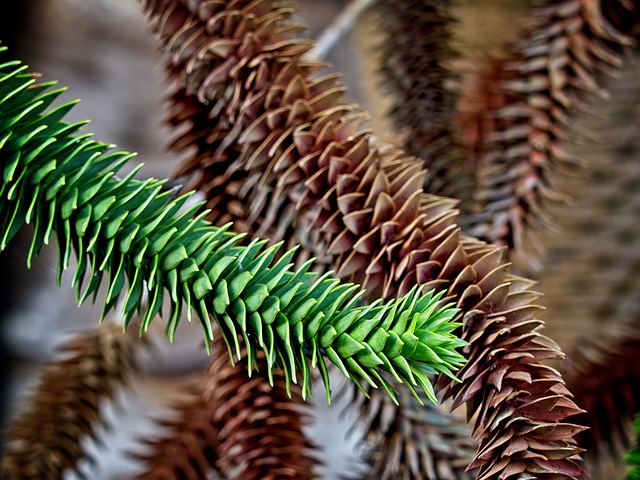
pixel 104 53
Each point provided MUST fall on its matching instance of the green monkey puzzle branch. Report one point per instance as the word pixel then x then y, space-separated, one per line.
pixel 130 232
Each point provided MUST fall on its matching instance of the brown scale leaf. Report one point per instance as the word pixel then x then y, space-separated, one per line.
pixel 44 440
pixel 259 425
pixel 415 53
pixel 190 445
pixel 605 378
pixel 413 441
pixel 267 117
pixel 601 235
pixel 520 140
pixel 235 427
pixel 222 191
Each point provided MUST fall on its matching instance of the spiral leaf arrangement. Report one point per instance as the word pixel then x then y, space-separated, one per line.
pixel 415 52
pixel 287 140
pixel 128 231
pixel 234 426
pixel 260 426
pixel 603 374
pixel 372 211
pixel 44 440
pixel 604 378
pixel 224 189
pixel 514 458
pixel 571 47
pixel 190 443
pixel 413 441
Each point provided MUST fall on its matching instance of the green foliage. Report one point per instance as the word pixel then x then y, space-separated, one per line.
pixel 633 456
pixel 151 249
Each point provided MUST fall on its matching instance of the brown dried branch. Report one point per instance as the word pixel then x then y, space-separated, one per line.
pixel 411 441
pixel 604 374
pixel 605 378
pixel 607 216
pixel 297 142
pixel 260 426
pixel 45 439
pixel 416 52
pixel 571 47
pixel 234 427
pixel 190 444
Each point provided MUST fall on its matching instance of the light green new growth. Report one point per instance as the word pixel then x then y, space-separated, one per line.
pixel 130 232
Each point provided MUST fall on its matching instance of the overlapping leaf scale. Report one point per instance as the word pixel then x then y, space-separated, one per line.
pixel 604 379
pixel 233 426
pixel 225 187
pixel 127 231
pixel 296 141
pixel 222 190
pixel 260 426
pixel 519 403
pixel 603 375
pixel 491 298
pixel 189 444
pixel 47 438
pixel 304 141
pixel 415 51
pixel 569 50
pixel 411 441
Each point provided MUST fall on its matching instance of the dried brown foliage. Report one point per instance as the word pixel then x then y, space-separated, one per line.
pixel 416 54
pixel 570 49
pixel 297 143
pixel 190 445
pixel 44 440
pixel 260 425
pixel 605 379
pixel 234 427
pixel 413 441
pixel 603 374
